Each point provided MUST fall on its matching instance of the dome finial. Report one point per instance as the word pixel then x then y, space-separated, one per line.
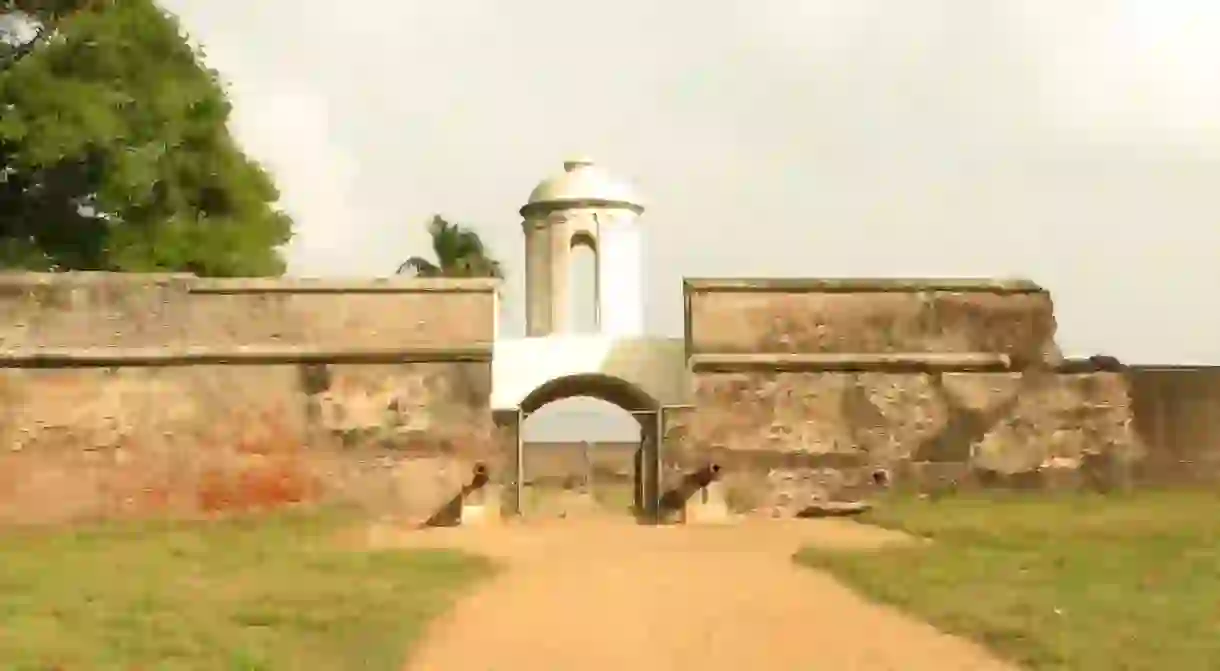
pixel 577 163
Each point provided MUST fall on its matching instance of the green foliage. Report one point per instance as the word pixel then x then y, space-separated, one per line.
pixel 459 253
pixel 115 152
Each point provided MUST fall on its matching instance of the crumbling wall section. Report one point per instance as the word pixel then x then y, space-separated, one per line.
pixel 825 390
pixel 127 395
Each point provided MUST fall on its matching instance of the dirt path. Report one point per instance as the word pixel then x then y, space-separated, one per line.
pixel 611 595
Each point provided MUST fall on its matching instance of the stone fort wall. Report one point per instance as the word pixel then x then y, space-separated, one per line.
pixel 803 390
pixel 130 395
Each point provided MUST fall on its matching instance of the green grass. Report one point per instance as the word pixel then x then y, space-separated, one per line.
pixel 255 593
pixel 1086 583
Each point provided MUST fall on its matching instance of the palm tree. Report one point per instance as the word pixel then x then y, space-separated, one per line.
pixel 459 252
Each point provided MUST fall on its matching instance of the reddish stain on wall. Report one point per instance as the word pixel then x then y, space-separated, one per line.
pixel 266 432
pixel 8 477
pixel 264 485
pixel 154 498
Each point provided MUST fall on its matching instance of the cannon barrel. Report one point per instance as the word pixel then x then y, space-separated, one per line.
pixel 481 476
pixel 708 474
pixel 881 478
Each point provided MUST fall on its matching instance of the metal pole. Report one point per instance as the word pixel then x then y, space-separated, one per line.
pixel 588 454
pixel 519 456
pixel 655 501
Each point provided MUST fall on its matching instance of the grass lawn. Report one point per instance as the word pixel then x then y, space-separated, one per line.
pixel 256 593
pixel 1086 583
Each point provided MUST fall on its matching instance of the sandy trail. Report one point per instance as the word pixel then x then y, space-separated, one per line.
pixel 599 595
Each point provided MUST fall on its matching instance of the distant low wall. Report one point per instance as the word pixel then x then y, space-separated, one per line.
pixel 549 462
pixel 171 395
pixel 1177 414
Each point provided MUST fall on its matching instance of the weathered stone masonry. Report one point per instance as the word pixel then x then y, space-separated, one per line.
pixel 154 395
pixel 130 395
pixel 806 390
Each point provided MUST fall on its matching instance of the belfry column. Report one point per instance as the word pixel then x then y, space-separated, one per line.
pixel 561 274
pixel 538 273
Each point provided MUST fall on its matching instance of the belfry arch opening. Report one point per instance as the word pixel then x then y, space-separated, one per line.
pixel 588 446
pixel 584 304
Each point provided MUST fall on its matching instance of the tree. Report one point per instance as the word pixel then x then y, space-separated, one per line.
pixel 459 252
pixel 26 24
pixel 115 152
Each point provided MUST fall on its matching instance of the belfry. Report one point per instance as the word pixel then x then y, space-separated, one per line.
pixel 583 207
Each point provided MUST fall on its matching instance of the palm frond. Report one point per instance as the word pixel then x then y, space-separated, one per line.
pixel 420 267
pixel 459 251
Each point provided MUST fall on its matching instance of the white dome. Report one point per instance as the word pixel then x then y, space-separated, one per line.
pixel 582 181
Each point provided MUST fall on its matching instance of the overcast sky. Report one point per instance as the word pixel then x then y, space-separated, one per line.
pixel 1076 143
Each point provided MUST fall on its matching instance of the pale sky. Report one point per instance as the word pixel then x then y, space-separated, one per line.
pixel 1075 143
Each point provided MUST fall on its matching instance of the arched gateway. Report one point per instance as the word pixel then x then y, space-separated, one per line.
pixel 629 397
pixel 613 390
pixel 617 363
pixel 641 376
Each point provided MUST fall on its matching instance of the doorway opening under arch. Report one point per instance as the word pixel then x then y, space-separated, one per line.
pixel 590 444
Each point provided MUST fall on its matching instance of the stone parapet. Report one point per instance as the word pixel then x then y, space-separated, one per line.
pixel 851 316
pixel 80 310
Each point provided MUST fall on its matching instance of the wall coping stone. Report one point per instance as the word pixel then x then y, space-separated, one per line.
pixel 14 281
pixel 856 362
pixel 1174 368
pixel 107 357
pixel 860 285
pixel 18 281
pixel 304 285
